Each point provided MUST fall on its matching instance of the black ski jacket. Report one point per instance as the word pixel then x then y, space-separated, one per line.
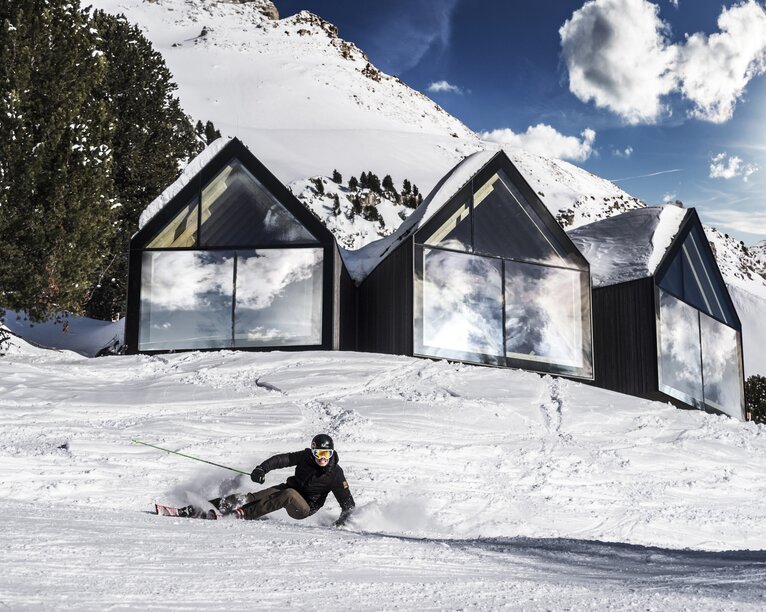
pixel 312 481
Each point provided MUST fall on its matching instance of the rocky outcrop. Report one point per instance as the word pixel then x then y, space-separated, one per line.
pixel 265 7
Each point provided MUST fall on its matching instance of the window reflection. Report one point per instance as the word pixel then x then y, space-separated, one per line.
pixel 279 298
pixel 181 231
pixel 461 307
pixel 238 210
pixel 453 224
pixel 506 225
pixel 186 300
pixel 721 367
pixel 547 316
pixel 692 276
pixel 680 361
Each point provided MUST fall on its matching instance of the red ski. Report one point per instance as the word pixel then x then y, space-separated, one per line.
pixel 185 512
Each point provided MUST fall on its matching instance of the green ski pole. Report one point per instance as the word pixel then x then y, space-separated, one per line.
pixel 190 457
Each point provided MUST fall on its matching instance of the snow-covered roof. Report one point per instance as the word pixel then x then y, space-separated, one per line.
pixel 189 172
pixel 362 262
pixel 628 246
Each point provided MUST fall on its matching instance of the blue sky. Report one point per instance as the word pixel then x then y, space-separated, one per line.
pixel 667 98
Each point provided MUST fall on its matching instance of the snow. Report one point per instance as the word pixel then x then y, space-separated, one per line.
pixel 750 311
pixel 475 487
pixel 628 246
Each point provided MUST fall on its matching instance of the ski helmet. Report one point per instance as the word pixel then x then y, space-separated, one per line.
pixel 322 441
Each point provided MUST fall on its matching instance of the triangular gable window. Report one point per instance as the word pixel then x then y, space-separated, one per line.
pixel 506 225
pixel 238 210
pixel 181 231
pixel 496 219
pixel 692 276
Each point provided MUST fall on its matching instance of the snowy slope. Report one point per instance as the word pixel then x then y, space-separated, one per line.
pixel 303 99
pixel 476 488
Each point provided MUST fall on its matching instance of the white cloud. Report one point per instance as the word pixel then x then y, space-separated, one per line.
pixel 725 167
pixel 618 56
pixel 669 198
pixel 442 86
pixel 626 152
pixel 746 221
pixel 714 70
pixel 674 3
pixel 545 140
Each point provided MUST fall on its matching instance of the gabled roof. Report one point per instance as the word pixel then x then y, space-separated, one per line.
pixel 203 168
pixel 630 245
pixel 192 169
pixel 362 262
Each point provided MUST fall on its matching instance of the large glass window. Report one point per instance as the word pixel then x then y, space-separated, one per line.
pixel 497 282
pixel 461 306
pixel 186 300
pixel 237 210
pixel 721 367
pixel 546 315
pixel 278 298
pixel 699 358
pixel 680 360
pixel 227 299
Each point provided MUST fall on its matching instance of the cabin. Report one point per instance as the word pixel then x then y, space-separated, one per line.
pixel 665 327
pixel 228 258
pixel 482 273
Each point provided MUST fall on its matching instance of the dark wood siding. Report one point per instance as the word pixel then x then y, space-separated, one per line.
pixel 385 305
pixel 625 337
pixel 349 311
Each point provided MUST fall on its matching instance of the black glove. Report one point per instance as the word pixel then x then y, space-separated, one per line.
pixel 258 475
pixel 343 517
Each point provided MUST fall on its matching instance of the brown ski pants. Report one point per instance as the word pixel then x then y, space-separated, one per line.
pixel 253 505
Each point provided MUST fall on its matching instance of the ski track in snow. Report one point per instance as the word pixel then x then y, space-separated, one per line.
pixel 476 488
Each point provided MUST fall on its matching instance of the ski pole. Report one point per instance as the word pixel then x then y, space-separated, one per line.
pixel 190 457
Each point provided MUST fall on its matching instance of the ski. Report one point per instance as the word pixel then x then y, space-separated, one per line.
pixel 185 512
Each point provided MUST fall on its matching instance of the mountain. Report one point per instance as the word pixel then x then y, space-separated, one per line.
pixel 307 102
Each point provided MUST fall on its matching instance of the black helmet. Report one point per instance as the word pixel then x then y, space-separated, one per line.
pixel 322 441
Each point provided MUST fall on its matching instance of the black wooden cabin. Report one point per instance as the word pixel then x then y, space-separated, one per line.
pixel 482 273
pixel 665 327
pixel 234 260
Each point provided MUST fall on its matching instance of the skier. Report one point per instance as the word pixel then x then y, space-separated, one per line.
pixel 317 473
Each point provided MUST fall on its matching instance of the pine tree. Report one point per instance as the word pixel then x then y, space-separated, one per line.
pixel 335 204
pixel 337 177
pixel 388 184
pixel 353 184
pixel 373 183
pixel 56 190
pixel 152 137
pixel 363 180
pixel 755 398
pixel 206 133
pixel 356 205
pixel 318 185
pixel 406 187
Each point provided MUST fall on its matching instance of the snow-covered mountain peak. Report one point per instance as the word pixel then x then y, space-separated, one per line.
pixel 573 195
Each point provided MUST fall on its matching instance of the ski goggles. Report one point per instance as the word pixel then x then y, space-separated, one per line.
pixel 322 453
